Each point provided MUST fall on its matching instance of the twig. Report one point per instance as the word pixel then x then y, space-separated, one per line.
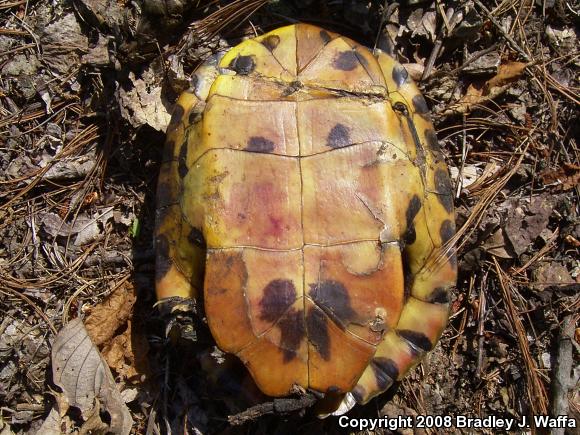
pixel 507 37
pixel 561 382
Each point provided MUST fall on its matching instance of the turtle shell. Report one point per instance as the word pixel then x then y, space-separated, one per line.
pixel 304 199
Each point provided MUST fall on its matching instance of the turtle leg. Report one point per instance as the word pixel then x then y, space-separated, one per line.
pixel 179 245
pixel 430 267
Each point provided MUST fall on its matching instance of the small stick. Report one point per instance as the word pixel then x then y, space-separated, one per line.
pixel 507 37
pixel 561 381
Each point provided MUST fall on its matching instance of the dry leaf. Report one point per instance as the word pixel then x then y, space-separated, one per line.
pixel 479 93
pixel 564 178
pixel 83 375
pixel 107 317
pixel 125 353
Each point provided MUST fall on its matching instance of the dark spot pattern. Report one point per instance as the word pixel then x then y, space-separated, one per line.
pixel 176 116
pixel 196 238
pixel 447 231
pixel 333 389
pixel 292 333
pixel 279 294
pixel 400 75
pixel 332 297
pixel 346 60
pixel 182 168
pixel 358 393
pixel 412 209
pixel 194 116
pixel 417 339
pixel 385 370
pixel 165 196
pixel 271 42
pixel 325 37
pixel 338 137
pixel 408 279
pixel 168 151
pixel 318 332
pixel 420 105
pixel 432 142
pixel 260 144
pixel 162 261
pixel 243 65
pixel 444 189
pixel 439 295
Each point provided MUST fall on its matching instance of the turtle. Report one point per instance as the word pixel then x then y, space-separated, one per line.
pixel 304 203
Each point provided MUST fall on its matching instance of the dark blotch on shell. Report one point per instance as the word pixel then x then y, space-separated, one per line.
pixel 182 168
pixel 271 42
pixel 333 389
pixel 358 393
pixel 194 116
pixel 420 105
pixel 332 297
pixel 432 142
pixel 318 332
pixel 444 189
pixel 412 209
pixel 279 294
pixel 346 60
pixel 195 237
pixel 176 116
pixel 447 231
pixel 439 296
pixel 291 333
pixel 168 151
pixel 385 370
pixel 400 75
pixel 162 261
pixel 417 339
pixel 338 137
pixel 243 65
pixel 165 195
pixel 325 36
pixel 260 144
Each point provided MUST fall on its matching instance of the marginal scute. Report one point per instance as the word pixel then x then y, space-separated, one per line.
pixel 162 260
pixel 447 230
pixel 444 189
pixel 176 117
pixel 417 339
pixel 386 371
pixel 400 75
pixel 182 168
pixel 420 105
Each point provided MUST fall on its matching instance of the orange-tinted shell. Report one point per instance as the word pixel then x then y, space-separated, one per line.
pixel 304 197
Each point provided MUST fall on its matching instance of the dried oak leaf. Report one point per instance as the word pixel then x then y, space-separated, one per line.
pixel 479 93
pixel 85 378
pixel 564 178
pixel 125 351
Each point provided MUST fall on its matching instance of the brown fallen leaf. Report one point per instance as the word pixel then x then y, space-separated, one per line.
pixel 84 377
pixel 564 178
pixel 126 351
pixel 106 318
pixel 480 92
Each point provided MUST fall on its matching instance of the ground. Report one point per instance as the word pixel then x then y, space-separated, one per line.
pixel 86 88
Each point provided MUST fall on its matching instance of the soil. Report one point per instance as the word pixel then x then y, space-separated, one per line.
pixel 86 91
